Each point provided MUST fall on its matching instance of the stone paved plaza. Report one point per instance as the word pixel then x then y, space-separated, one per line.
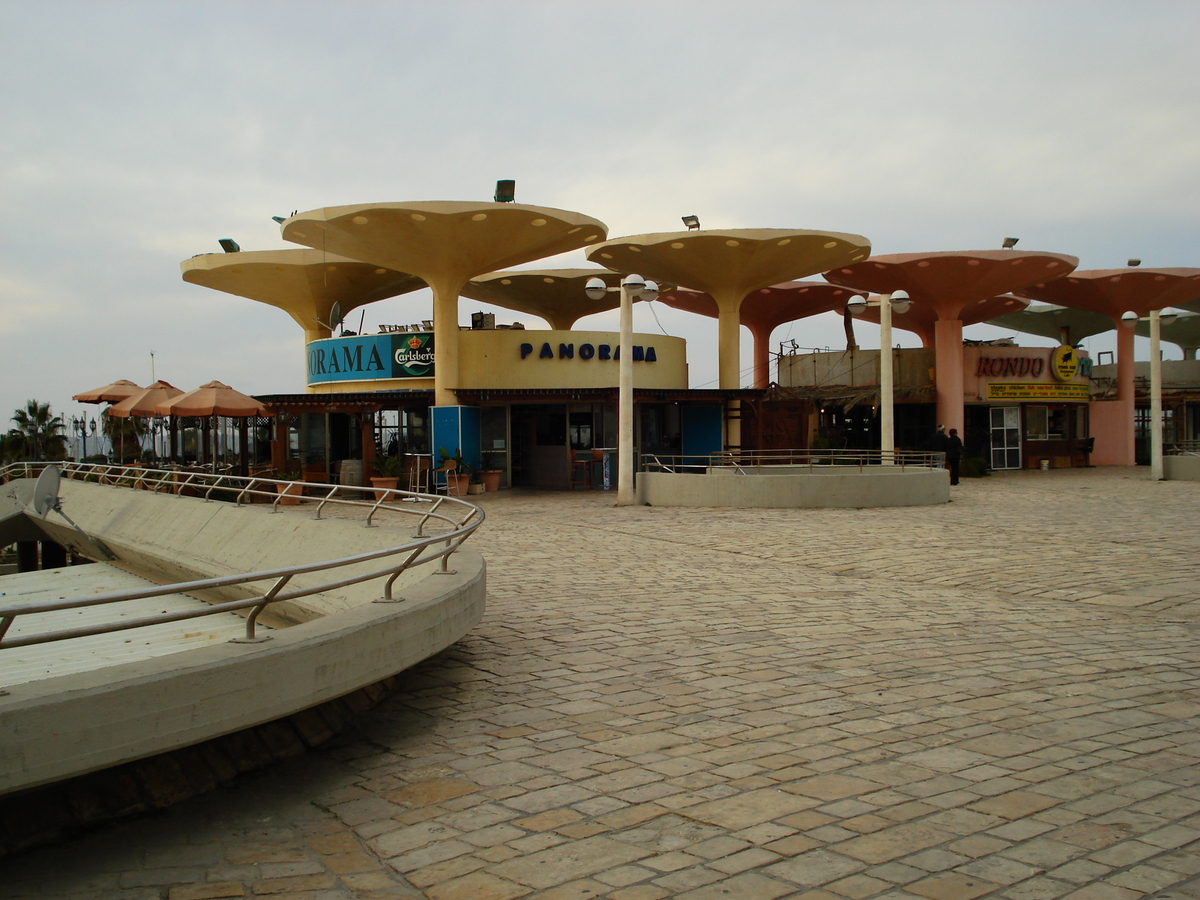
pixel 993 698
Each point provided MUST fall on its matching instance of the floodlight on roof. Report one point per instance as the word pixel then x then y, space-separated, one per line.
pixel 1009 243
pixel 229 245
pixel 1133 263
pixel 692 223
pixel 506 191
pixel 279 219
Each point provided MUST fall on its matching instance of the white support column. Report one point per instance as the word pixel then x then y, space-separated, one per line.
pixel 625 404
pixel 1156 416
pixel 887 431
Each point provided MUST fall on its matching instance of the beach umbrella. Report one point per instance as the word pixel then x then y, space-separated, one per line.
pixel 209 401
pixel 144 402
pixel 110 393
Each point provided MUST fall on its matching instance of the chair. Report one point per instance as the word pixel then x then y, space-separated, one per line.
pixel 446 486
pixel 581 472
pixel 417 469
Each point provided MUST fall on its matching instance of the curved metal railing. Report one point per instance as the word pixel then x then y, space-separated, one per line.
pixel 752 462
pixel 457 518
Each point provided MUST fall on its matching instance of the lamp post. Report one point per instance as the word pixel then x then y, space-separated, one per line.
pixel 1156 319
pixel 898 302
pixel 632 287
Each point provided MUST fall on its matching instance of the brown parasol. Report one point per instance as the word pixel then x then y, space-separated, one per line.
pixel 144 401
pixel 210 401
pixel 110 393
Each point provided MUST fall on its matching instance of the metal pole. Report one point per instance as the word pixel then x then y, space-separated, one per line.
pixel 1156 416
pixel 625 404
pixel 887 434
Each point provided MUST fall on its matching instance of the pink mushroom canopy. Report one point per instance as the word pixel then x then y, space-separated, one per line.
pixel 948 282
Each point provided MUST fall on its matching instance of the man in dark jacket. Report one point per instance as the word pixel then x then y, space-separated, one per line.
pixel 954 450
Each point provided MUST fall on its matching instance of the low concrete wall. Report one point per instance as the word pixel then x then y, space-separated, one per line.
pixel 1181 468
pixel 62 727
pixel 823 487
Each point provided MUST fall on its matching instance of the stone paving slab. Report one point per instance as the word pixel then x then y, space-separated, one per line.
pixel 994 698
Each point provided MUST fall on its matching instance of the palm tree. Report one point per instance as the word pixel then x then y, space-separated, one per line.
pixel 124 435
pixel 39 433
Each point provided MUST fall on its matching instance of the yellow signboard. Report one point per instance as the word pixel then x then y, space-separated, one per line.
pixel 1064 363
pixel 1035 390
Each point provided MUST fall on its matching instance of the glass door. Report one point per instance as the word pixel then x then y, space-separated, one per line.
pixel 1006 437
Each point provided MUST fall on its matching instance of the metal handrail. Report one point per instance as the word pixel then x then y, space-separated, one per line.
pixel 460 517
pixel 1183 448
pixel 739 461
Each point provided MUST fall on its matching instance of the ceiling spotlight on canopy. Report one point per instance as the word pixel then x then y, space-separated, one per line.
pixel 692 223
pixel 229 245
pixel 1009 243
pixel 506 191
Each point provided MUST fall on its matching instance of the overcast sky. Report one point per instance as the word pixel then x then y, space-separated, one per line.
pixel 134 135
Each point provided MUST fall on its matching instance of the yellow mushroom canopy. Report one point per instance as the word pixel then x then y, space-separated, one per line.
pixel 303 283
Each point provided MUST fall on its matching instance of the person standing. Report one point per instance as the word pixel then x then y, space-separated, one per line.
pixel 954 448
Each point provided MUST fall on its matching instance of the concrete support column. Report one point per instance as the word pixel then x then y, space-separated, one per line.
pixel 27 556
pixel 445 340
pixel 762 357
pixel 729 364
pixel 948 350
pixel 54 556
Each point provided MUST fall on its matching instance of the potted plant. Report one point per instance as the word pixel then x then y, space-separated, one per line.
pixel 289 491
pixel 460 478
pixel 387 474
pixel 491 472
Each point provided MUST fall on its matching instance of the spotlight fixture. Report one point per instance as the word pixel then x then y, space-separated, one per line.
pixel 692 223
pixel 1134 263
pixel 1009 243
pixel 279 219
pixel 506 191
pixel 229 245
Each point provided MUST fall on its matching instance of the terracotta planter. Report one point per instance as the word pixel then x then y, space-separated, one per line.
pixel 459 485
pixel 381 482
pixel 491 479
pixel 289 494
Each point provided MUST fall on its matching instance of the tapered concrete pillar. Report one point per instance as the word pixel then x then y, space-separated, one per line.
pixel 948 371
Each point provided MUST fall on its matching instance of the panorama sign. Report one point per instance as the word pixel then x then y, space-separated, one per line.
pixel 374 357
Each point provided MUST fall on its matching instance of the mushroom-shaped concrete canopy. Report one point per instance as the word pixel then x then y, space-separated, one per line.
pixel 445 243
pixel 728 265
pixel 948 282
pixel 763 310
pixel 1184 332
pixel 143 403
pixel 557 295
pixel 921 319
pixel 303 283
pixel 1112 293
pixel 110 393
pixel 1061 323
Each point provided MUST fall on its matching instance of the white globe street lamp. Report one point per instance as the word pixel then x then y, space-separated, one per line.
pixel 898 302
pixel 632 287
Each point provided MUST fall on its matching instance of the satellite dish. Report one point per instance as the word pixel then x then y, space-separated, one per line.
pixel 335 316
pixel 45 491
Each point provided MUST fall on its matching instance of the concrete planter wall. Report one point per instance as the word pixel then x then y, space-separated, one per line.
pixel 798 487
